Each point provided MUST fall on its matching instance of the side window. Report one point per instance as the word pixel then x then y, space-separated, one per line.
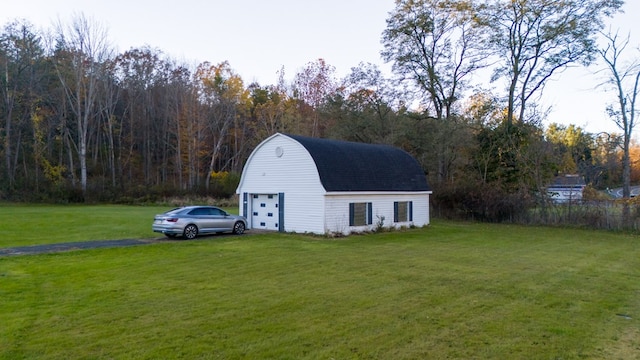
pixel 360 214
pixel 199 211
pixel 215 211
pixel 402 211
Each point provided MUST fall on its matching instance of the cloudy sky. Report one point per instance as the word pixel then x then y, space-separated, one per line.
pixel 259 37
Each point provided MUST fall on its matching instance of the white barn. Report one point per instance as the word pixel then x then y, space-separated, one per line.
pixel 300 184
pixel 566 189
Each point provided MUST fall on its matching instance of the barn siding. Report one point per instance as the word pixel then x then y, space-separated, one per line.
pixel 337 210
pixel 294 174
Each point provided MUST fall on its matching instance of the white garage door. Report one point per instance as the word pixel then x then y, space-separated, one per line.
pixel 264 209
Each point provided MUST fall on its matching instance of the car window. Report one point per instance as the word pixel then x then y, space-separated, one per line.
pixel 216 211
pixel 199 211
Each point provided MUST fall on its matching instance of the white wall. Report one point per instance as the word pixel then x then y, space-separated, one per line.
pixel 337 210
pixel 293 173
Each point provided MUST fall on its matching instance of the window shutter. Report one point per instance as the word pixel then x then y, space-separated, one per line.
pixel 369 213
pixel 244 204
pixel 410 210
pixel 281 212
pixel 395 211
pixel 351 214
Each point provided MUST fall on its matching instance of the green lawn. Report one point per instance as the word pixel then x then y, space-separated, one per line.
pixel 448 291
pixel 45 224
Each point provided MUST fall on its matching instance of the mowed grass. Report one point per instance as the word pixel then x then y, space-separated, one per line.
pixel 448 291
pixel 24 225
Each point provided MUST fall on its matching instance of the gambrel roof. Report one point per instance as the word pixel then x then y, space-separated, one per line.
pixel 351 166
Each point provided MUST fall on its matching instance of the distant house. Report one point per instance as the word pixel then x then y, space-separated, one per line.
pixel 300 184
pixel 566 188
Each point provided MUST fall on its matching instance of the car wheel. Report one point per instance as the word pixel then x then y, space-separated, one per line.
pixel 238 228
pixel 190 232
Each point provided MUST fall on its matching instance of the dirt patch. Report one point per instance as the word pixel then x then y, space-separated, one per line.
pixel 627 345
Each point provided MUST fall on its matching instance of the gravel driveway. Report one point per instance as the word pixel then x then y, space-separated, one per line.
pixel 83 245
pixel 97 244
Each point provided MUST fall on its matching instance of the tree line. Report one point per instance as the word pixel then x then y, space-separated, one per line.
pixel 81 122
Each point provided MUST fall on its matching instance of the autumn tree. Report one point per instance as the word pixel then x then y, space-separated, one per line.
pixel 22 64
pixel 311 86
pixel 271 107
pixel 182 104
pixel 607 168
pixel 365 107
pixel 142 75
pixel 634 155
pixel 483 111
pixel 223 94
pixel 572 146
pixel 624 80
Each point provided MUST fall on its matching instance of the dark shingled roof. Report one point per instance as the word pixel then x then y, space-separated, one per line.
pixel 351 166
pixel 568 181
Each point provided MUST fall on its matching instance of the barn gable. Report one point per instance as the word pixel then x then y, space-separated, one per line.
pixel 350 166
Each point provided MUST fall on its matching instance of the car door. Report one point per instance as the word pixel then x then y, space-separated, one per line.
pixel 200 216
pixel 220 220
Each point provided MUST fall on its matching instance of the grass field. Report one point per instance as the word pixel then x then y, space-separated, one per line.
pixel 23 225
pixel 448 291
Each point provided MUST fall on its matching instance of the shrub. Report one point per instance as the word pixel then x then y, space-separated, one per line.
pixel 223 184
pixel 480 201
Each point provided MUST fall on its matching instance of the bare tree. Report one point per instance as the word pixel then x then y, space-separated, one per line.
pixel 81 51
pixel 623 79
pixel 108 101
pixel 539 38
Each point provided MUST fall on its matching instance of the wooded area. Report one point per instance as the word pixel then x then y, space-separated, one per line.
pixel 81 123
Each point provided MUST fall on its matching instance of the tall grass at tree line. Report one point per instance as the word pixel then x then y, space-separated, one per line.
pixel 451 290
pixel 597 210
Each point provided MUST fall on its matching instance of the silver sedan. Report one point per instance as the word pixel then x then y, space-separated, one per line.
pixel 191 221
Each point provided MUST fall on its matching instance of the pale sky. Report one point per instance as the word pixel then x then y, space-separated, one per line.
pixel 259 37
